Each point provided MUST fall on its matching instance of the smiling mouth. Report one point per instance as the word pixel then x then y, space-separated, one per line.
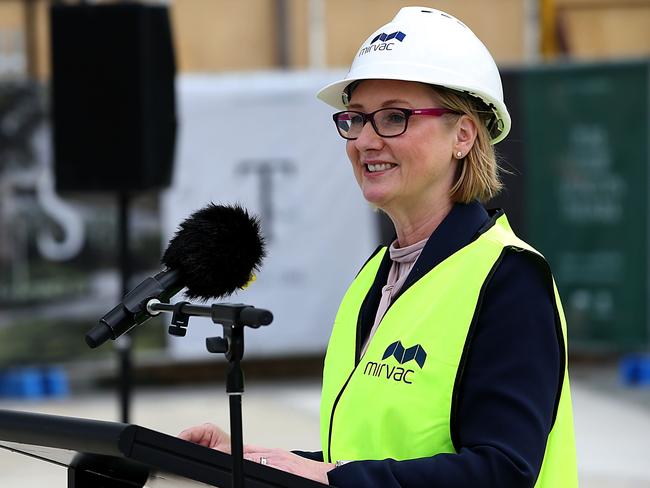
pixel 375 168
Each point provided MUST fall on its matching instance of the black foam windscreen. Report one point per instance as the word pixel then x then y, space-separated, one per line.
pixel 113 98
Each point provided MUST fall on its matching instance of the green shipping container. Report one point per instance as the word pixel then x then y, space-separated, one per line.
pixel 586 132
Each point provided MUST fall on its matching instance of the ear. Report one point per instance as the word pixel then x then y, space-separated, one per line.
pixel 466 132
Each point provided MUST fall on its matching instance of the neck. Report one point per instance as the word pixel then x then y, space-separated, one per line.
pixel 412 226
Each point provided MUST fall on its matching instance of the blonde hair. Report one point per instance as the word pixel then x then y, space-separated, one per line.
pixel 478 172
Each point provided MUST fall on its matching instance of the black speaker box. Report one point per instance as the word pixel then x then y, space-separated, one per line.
pixel 113 99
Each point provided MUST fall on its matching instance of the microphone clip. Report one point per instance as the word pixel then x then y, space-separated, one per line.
pixel 180 320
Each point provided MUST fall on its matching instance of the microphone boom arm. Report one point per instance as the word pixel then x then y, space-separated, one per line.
pixel 226 314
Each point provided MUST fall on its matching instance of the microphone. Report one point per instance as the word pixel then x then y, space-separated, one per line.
pixel 214 253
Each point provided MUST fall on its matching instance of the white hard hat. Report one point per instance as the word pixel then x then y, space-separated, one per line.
pixel 428 46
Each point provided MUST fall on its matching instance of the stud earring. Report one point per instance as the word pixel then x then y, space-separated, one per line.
pixel 459 154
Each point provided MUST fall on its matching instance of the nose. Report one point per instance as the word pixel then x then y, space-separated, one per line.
pixel 368 138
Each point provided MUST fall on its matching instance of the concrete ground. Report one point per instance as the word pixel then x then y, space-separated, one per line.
pixel 612 424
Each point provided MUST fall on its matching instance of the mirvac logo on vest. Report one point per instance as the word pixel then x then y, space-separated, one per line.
pixel 402 356
pixel 381 42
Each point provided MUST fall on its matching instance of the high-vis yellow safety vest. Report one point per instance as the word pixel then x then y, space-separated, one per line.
pixel 398 401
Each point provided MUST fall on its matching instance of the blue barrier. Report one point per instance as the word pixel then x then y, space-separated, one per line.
pixel 34 383
pixel 635 370
pixel 55 382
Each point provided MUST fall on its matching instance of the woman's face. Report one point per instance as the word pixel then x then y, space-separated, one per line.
pixel 412 170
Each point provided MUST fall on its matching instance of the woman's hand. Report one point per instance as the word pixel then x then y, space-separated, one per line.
pixel 287 461
pixel 208 435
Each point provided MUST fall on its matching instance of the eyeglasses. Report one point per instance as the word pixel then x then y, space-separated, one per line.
pixel 387 122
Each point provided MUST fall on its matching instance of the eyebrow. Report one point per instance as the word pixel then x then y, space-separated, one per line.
pixel 387 103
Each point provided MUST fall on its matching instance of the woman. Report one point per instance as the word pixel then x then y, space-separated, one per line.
pixel 447 360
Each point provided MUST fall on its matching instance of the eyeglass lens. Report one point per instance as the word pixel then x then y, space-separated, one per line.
pixel 386 122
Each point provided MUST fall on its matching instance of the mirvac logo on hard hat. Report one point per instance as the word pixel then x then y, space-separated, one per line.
pixel 402 356
pixel 384 42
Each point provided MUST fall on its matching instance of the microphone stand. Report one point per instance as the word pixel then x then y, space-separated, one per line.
pixel 233 318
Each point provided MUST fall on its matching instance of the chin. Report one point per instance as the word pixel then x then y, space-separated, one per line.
pixel 375 201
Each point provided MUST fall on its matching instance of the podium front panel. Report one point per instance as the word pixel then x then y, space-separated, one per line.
pixel 62 457
pixel 167 480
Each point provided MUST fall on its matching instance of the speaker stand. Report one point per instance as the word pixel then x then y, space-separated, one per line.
pixel 123 344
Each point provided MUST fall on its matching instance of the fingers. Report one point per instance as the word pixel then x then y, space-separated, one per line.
pixel 253 448
pixel 263 455
pixel 254 457
pixel 193 434
pixel 208 435
pixel 287 461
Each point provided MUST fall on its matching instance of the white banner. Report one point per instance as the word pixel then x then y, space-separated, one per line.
pixel 263 140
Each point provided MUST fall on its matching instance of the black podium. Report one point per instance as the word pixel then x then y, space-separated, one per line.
pixel 100 454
